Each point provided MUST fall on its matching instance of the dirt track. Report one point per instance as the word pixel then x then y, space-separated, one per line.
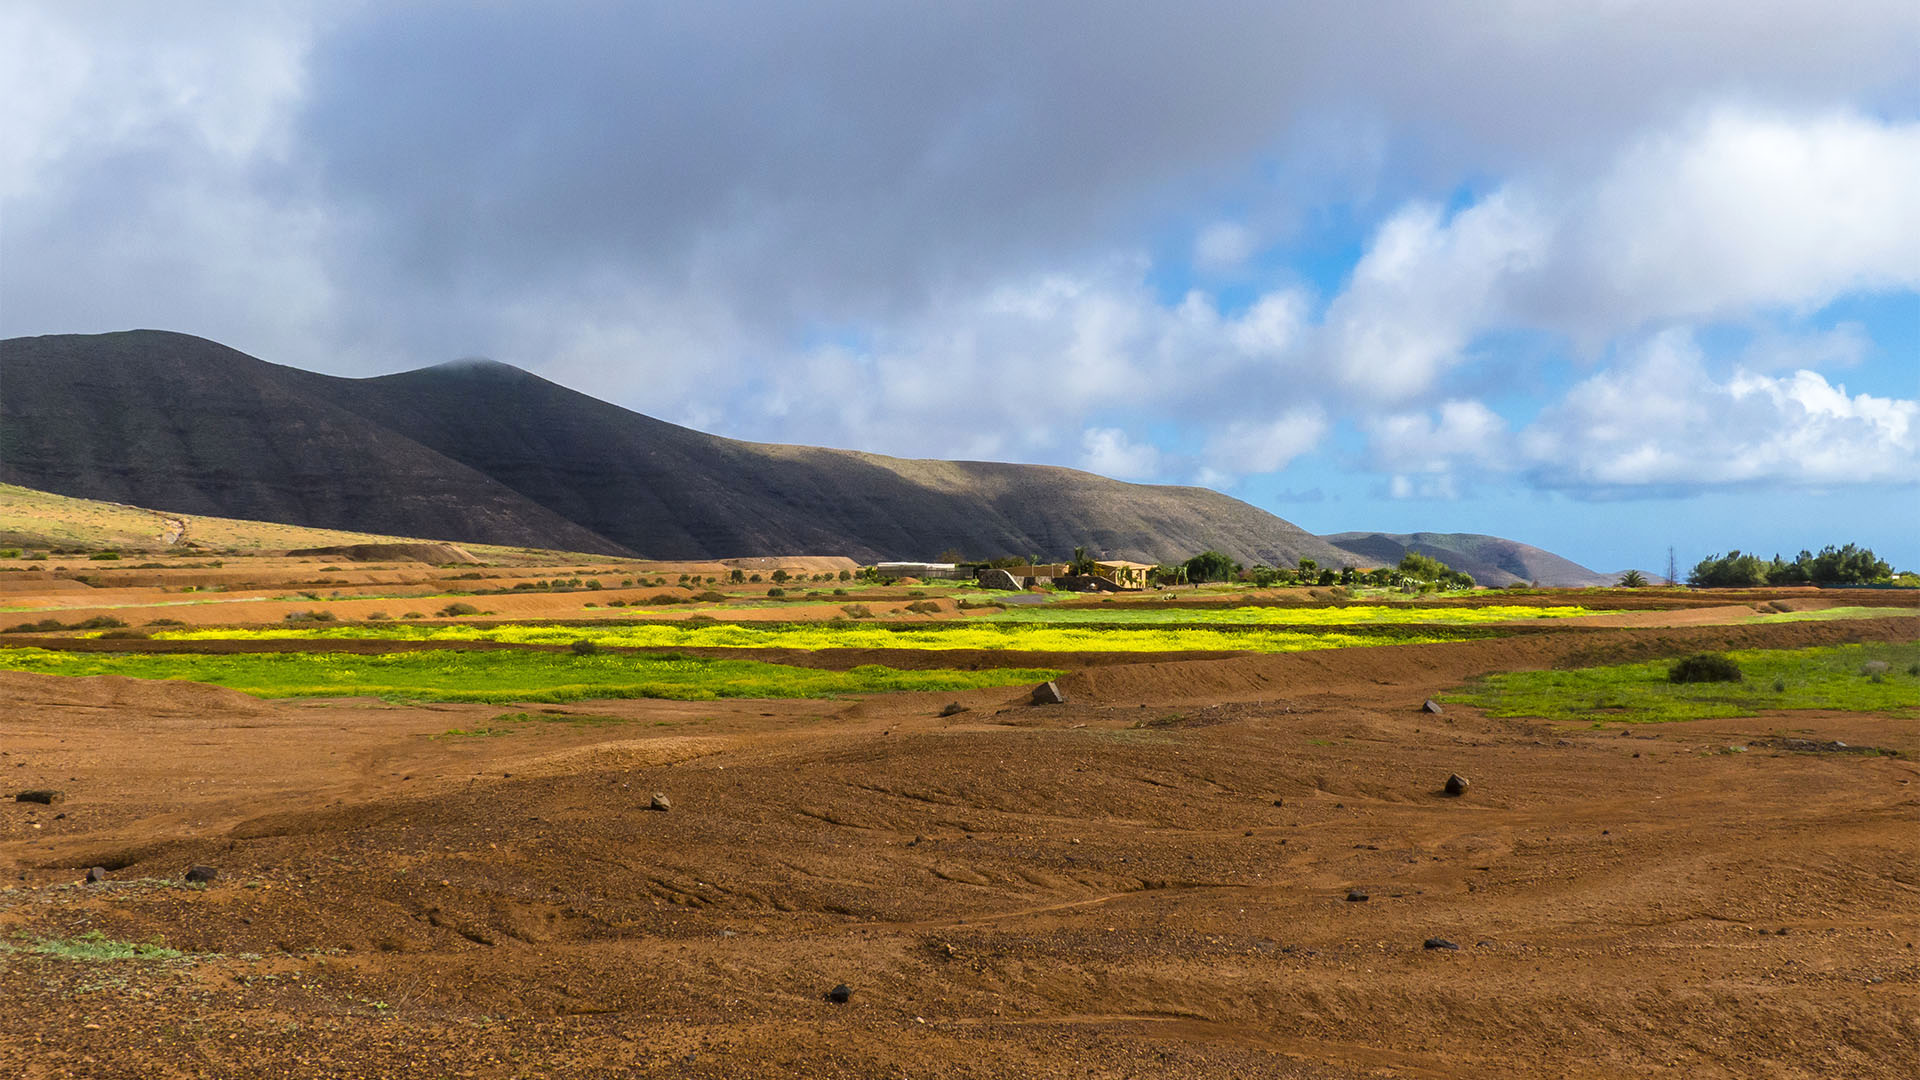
pixel 1149 881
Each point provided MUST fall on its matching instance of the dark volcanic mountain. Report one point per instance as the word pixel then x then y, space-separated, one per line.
pixel 484 452
pixel 1490 560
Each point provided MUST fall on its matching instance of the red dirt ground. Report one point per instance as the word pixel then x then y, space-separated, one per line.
pixel 1148 881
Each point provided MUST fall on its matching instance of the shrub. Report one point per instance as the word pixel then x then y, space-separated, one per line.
pixel 858 611
pixel 670 598
pixel 309 616
pixel 166 622
pixel 104 556
pixel 1704 667
pixel 453 610
pixel 9 553
pixel 710 597
pixel 839 592
pixel 776 591
pixel 413 615
pixel 583 647
pixel 924 607
pixel 1875 667
pixel 125 635
pixel 378 616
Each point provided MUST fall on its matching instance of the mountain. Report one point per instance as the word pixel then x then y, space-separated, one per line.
pixel 1491 560
pixel 484 452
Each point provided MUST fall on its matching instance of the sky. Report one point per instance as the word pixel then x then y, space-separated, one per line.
pixel 1606 278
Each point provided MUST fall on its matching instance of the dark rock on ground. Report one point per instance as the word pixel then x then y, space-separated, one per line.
pixel 660 802
pixel 1048 693
pixel 96 875
pixel 1457 784
pixel 1355 896
pixel 1438 943
pixel 46 797
pixel 1432 706
pixel 839 994
pixel 202 873
pixel 953 708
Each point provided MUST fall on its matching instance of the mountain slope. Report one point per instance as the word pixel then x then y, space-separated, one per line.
pixel 486 452
pixel 1491 560
pixel 158 419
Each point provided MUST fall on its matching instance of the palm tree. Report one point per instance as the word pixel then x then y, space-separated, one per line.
pixel 1632 579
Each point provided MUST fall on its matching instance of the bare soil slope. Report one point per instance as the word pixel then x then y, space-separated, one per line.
pixel 1160 878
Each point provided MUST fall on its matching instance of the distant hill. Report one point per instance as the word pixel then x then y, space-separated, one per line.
pixel 484 452
pixel 1491 560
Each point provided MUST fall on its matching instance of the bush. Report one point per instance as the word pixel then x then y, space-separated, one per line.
pixel 583 647
pixel 125 635
pixel 1874 669
pixel 710 597
pixel 453 610
pixel 309 616
pixel 103 556
pixel 776 591
pixel 378 616
pixel 166 622
pixel 1704 667
pixel 858 611
pixel 413 615
pixel 924 607
pixel 667 598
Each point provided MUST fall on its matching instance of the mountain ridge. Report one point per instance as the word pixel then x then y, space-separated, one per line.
pixel 486 452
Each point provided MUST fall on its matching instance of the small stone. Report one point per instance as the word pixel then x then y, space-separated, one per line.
pixel 96 875
pixel 1279 802
pixel 1048 693
pixel 1457 784
pixel 201 874
pixel 1438 943
pixel 660 802
pixel 1355 896
pixel 839 994
pixel 1432 706
pixel 953 708
pixel 46 796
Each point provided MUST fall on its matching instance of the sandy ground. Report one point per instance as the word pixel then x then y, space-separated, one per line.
pixel 1151 880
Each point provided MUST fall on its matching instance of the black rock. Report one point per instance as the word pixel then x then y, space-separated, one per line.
pixel 47 797
pixel 1048 693
pixel 1355 896
pixel 1438 943
pixel 1457 784
pixel 96 875
pixel 1432 706
pixel 839 994
pixel 202 873
pixel 953 708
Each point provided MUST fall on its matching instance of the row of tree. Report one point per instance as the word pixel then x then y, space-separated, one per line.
pixel 1848 565
pixel 1415 570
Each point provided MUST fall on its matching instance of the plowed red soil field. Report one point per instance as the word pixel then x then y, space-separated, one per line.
pixel 1159 878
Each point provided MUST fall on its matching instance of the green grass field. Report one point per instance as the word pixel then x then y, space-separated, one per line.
pixel 859 635
pixel 1818 678
pixel 503 677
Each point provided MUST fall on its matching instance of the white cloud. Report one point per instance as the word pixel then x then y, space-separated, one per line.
pixel 1734 213
pixel 1664 422
pixel 1224 246
pixel 1458 432
pixel 1109 452
pixel 1252 447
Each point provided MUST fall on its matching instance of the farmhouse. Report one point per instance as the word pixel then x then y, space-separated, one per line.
pixel 1127 575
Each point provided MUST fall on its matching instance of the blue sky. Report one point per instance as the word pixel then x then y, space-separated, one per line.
pixel 1604 278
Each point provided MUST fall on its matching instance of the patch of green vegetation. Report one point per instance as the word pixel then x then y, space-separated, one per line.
pixel 703 632
pixel 94 946
pixel 1839 613
pixel 1828 677
pixel 1274 615
pixel 507 676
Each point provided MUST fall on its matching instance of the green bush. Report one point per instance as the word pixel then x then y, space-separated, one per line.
pixel 378 616
pixel 584 647
pixel 455 610
pixel 776 591
pixel 104 556
pixel 858 611
pixel 710 597
pixel 924 607
pixel 1704 667
pixel 413 615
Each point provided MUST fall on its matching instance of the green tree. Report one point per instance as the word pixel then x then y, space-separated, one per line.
pixel 1082 563
pixel 1633 579
pixel 1211 566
